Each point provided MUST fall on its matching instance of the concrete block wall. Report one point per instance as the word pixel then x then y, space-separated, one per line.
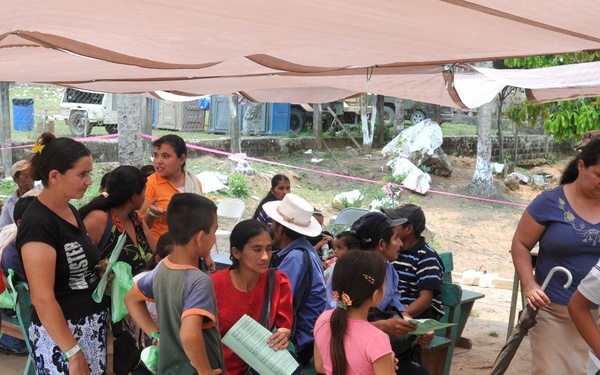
pixel 530 146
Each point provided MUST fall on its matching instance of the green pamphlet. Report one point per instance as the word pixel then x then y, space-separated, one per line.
pixel 426 325
pixel 248 339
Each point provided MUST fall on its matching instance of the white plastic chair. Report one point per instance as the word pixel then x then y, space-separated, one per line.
pixel 347 217
pixel 231 208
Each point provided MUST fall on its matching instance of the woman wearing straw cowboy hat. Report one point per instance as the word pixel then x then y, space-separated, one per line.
pixel 293 221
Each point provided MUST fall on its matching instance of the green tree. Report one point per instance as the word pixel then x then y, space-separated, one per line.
pixel 566 119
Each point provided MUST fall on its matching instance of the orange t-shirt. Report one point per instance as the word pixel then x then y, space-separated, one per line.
pixel 160 188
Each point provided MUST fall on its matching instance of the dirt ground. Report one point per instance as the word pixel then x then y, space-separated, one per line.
pixel 478 233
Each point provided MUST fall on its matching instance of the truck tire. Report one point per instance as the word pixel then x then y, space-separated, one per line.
pixel 388 115
pixel 417 116
pixel 76 124
pixel 296 120
pixel 111 128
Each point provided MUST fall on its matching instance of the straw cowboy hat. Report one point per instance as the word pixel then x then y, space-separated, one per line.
pixel 295 213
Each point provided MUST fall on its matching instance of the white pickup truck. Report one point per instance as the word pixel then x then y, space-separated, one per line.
pixel 79 108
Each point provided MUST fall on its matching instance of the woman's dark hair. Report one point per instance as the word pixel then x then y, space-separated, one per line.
pixel 20 207
pixel 174 141
pixel 147 170
pixel 590 156
pixel 350 240
pixel 274 182
pixel 358 274
pixel 124 182
pixel 243 232
pixel 59 154
pixel 164 247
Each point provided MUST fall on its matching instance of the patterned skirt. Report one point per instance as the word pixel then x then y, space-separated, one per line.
pixel 90 333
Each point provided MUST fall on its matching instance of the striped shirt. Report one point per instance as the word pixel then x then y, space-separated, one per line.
pixel 420 268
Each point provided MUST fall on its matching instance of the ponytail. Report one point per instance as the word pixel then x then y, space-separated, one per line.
pixel 571 172
pixel 590 155
pixel 339 325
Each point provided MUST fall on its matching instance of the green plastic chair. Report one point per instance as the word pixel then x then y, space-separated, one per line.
pixel 20 293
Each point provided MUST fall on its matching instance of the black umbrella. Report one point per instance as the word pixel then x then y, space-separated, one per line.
pixel 525 322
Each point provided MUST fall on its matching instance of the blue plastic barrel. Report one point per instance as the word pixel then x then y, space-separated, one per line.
pixel 23 117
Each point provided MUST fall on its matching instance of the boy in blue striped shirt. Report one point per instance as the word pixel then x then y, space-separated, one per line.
pixel 419 267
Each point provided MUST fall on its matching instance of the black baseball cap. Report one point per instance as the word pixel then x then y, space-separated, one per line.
pixel 370 226
pixel 411 212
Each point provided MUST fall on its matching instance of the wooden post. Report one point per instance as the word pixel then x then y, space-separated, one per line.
pixel 318 125
pixel 5 155
pixel 437 114
pixel 398 117
pixel 379 103
pixel 343 127
pixel 234 127
pixel 367 129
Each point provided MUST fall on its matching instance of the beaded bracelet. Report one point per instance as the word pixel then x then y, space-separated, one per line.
pixel 71 352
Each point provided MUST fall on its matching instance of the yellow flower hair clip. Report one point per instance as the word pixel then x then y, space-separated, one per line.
pixel 37 148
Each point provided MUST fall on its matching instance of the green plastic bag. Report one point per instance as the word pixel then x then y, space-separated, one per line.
pixel 120 285
pixel 8 299
pixel 149 357
pixel 99 292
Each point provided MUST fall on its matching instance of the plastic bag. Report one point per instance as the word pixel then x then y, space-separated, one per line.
pixel 8 299
pixel 121 284
pixel 98 294
pixel 150 358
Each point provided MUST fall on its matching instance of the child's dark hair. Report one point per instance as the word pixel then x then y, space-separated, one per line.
pixel 174 141
pixel 59 154
pixel 188 214
pixel 358 274
pixel 274 182
pixel 148 170
pixel 243 232
pixel 104 181
pixel 164 247
pixel 590 156
pixel 349 239
pixel 20 207
pixel 124 182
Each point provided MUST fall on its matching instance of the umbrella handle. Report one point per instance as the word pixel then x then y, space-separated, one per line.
pixel 554 270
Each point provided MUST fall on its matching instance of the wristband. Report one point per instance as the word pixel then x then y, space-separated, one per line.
pixel 71 352
pixel 152 214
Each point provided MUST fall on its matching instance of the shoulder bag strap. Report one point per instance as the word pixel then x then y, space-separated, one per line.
pixel 107 231
pixel 265 315
pixel 303 291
